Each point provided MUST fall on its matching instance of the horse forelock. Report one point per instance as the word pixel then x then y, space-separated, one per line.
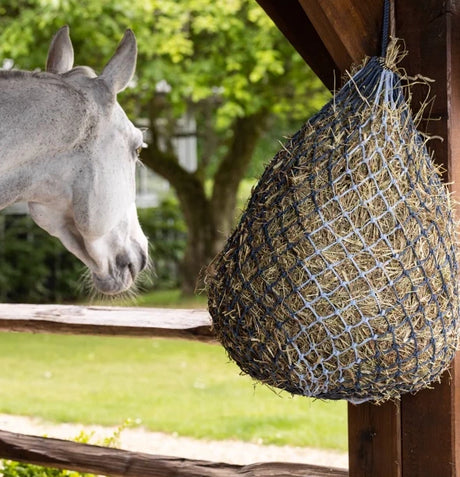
pixel 80 70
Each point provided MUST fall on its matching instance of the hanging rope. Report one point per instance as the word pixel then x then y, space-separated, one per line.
pixel 385 28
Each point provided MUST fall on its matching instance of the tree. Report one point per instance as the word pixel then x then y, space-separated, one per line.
pixel 225 63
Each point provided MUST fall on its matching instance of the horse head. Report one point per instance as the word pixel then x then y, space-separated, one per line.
pixel 88 199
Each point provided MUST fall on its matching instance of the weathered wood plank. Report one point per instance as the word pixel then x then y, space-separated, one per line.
pixel 428 441
pixel 430 427
pixel 374 440
pixel 99 320
pixel 349 30
pixel 292 21
pixel 121 463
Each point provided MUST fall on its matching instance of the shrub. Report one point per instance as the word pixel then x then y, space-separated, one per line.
pixel 165 228
pixel 9 468
pixel 18 469
pixel 36 268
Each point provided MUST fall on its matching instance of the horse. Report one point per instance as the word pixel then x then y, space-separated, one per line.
pixel 68 149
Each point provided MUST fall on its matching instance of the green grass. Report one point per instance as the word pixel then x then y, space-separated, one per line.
pixel 166 385
pixel 156 298
pixel 171 299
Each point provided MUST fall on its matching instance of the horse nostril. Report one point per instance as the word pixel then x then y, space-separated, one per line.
pixel 122 261
pixel 132 270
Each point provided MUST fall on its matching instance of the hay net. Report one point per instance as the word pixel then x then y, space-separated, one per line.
pixel 340 280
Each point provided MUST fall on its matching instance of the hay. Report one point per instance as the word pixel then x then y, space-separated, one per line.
pixel 340 279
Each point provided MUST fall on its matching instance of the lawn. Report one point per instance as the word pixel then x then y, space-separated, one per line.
pixel 161 299
pixel 172 386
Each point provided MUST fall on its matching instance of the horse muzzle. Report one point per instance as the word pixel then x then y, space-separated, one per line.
pixel 122 272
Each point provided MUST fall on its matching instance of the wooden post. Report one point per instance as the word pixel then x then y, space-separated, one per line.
pixel 430 429
pixel 374 440
pixel 420 435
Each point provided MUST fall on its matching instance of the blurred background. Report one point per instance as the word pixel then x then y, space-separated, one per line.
pixel 217 90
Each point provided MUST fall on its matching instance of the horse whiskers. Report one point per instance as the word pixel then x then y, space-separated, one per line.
pixel 148 275
pixel 85 283
pixel 143 282
pixel 125 298
pixel 70 121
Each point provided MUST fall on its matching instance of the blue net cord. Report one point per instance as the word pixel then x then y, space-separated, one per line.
pixel 385 28
pixel 340 280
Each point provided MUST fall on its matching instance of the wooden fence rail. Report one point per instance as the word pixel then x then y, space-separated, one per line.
pixel 121 463
pixel 121 321
pixel 112 321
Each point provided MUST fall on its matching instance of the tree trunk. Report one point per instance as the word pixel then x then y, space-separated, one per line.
pixel 246 132
pixel 209 221
pixel 201 238
pixel 196 209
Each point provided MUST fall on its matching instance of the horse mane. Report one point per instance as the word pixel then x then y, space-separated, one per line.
pixel 15 74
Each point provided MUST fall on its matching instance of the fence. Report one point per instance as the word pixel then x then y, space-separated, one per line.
pixel 118 321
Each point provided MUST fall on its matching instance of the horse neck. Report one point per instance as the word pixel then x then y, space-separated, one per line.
pixel 42 118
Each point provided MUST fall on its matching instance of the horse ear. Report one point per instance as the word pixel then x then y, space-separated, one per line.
pixel 118 72
pixel 60 53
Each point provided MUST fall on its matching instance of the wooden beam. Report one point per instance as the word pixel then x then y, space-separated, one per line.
pixel 374 440
pixel 330 36
pixel 121 463
pixel 100 320
pixel 453 155
pixel 430 427
pixel 291 19
pixel 423 430
pixel 349 30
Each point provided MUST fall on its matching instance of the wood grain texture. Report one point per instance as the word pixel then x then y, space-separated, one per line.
pixel 292 21
pixel 426 425
pixel 98 320
pixel 330 35
pixel 121 463
pixel 374 440
pixel 453 142
pixel 431 31
pixel 349 30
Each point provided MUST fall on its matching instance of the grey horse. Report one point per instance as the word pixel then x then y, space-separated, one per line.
pixel 68 149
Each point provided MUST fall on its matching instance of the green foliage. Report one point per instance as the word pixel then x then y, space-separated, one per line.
pixel 18 469
pixel 9 468
pixel 35 267
pixel 270 143
pixel 227 66
pixel 180 42
pixel 165 228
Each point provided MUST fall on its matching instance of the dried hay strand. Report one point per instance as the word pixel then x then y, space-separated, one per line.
pixel 340 280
